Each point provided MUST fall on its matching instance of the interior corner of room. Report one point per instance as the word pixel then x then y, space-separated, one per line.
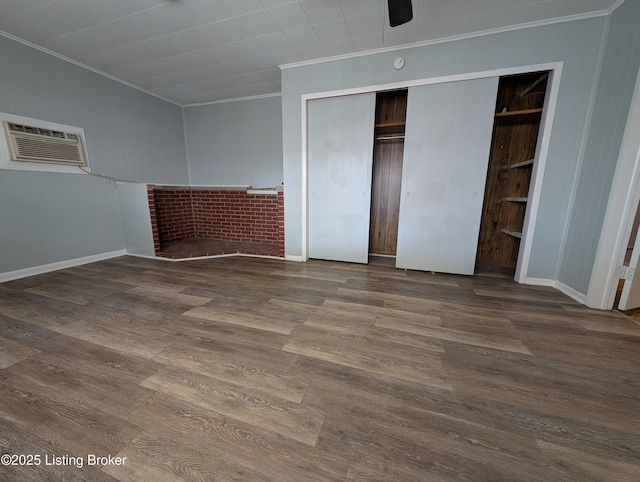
pixel 503 154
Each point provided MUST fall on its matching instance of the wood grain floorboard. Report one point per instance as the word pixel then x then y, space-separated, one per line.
pixel 258 376
pixel 76 427
pixel 258 322
pixel 226 437
pixel 267 370
pixel 289 419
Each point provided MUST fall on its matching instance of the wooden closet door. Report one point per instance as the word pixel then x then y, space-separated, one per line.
pixel 340 156
pixel 447 141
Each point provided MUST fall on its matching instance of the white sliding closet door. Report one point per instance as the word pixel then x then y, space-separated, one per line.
pixel 340 153
pixel 446 153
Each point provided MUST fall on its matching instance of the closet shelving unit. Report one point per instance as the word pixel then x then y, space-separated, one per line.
pixel 518 114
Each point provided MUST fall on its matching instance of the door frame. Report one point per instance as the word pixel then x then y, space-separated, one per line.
pixel 542 149
pixel 620 213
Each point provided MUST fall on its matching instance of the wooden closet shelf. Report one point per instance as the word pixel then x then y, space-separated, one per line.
pixel 516 165
pixel 519 112
pixel 512 232
pixel 391 124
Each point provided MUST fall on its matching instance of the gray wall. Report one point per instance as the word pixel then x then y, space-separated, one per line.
pixel 574 43
pixel 617 81
pixel 50 217
pixel 46 218
pixel 235 143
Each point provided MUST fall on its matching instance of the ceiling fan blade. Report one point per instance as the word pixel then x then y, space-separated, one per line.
pixel 400 11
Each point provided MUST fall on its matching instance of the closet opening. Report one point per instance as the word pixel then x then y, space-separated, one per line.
pixel 386 179
pixel 517 120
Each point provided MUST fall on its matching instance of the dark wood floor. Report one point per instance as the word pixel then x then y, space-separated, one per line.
pixel 256 369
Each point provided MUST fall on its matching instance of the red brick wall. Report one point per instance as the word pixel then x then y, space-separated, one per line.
pixel 182 213
pixel 174 214
pixel 235 216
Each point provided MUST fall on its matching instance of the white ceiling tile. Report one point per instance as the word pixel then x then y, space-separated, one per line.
pixel 517 3
pixel 103 60
pixel 107 36
pixel 14 7
pixel 400 35
pixel 565 8
pixel 276 3
pixel 351 8
pixel 127 7
pixel 504 17
pixel 302 37
pixel 218 9
pixel 191 65
pixel 341 47
pixel 368 42
pixel 322 10
pixel 74 44
pixel 311 52
pixel 474 7
pixel 246 26
pixel 432 31
pixel 22 28
pixel 332 31
pixel 98 12
pixel 275 42
pixel 428 11
pixel 472 23
pixel 58 17
pixel 364 25
pixel 289 16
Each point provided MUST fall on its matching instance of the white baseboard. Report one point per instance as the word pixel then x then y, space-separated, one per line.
pixel 571 293
pixel 563 288
pixel 196 258
pixel 289 257
pixel 47 268
pixel 539 282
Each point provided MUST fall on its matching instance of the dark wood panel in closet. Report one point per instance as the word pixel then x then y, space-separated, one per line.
pixel 391 108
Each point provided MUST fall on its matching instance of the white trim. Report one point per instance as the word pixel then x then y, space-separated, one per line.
pixel 540 282
pixel 187 186
pixel 84 66
pixel 186 145
pixel 305 182
pixel 213 256
pixel 290 257
pixel 571 293
pixel 541 154
pixel 270 192
pixel 620 213
pixel 563 288
pixel 613 7
pixel 537 175
pixel 235 99
pixel 70 263
pixel 395 48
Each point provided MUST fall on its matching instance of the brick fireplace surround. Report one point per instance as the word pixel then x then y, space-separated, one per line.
pixel 208 221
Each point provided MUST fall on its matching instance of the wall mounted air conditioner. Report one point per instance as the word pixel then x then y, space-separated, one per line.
pixel 31 144
pixel 35 144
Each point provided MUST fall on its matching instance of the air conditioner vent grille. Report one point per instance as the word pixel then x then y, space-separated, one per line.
pixel 34 144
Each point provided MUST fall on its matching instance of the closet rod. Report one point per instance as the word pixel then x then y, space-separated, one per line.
pixel 384 138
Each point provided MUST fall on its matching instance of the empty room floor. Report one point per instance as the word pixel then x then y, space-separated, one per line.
pixel 259 369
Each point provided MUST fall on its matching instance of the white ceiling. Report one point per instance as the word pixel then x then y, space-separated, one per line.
pixel 191 51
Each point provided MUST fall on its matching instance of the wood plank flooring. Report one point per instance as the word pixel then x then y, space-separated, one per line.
pixel 266 370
